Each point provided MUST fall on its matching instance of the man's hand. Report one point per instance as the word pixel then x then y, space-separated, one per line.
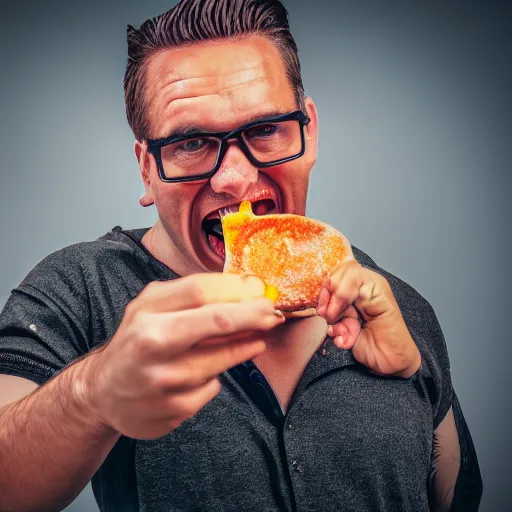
pixel 162 365
pixel 383 343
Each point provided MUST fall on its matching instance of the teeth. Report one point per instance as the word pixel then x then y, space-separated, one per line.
pixel 226 211
pixel 236 208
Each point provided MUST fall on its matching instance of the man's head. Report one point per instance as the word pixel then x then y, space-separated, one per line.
pixel 213 66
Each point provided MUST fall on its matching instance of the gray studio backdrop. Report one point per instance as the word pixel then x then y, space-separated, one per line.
pixel 413 167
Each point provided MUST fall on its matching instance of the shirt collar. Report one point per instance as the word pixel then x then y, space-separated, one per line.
pixel 325 360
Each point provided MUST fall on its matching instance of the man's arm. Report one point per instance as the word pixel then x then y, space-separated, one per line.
pixel 50 446
pixel 159 369
pixel 455 483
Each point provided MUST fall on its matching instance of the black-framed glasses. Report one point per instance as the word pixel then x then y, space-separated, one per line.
pixel 266 142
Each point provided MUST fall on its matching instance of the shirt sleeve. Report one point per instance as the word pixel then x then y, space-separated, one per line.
pixel 455 484
pixel 44 324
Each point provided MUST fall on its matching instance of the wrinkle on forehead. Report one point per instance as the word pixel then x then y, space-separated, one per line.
pixel 210 85
pixel 182 85
pixel 215 80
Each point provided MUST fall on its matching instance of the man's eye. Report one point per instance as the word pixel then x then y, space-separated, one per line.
pixel 192 145
pixel 264 130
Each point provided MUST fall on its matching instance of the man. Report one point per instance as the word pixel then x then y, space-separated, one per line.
pixel 130 360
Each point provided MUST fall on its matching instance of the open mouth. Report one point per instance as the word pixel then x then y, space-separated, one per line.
pixel 212 226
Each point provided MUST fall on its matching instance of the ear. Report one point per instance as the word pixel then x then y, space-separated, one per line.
pixel 311 132
pixel 141 153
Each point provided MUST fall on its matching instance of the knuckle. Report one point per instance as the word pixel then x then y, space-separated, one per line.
pixel 139 319
pixel 330 281
pixel 149 339
pixel 338 293
pixel 156 337
pixel 222 322
pixel 332 284
pixel 180 377
pixel 150 286
pixel 159 381
pixel 196 290
pixel 149 289
pixel 131 309
pixel 143 347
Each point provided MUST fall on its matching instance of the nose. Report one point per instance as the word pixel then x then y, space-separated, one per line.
pixel 235 175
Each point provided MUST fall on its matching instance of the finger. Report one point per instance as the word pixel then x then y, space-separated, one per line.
pixel 345 333
pixel 337 305
pixel 300 313
pixel 337 330
pixel 230 338
pixel 165 335
pixel 375 298
pixel 345 284
pixel 323 300
pixel 340 329
pixel 178 407
pixel 351 312
pixel 189 403
pixel 196 367
pixel 339 283
pixel 198 290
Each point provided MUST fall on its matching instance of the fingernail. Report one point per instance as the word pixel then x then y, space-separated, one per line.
pixel 278 312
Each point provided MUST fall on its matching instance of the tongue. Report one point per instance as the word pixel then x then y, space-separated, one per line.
pixel 217 246
pixel 261 207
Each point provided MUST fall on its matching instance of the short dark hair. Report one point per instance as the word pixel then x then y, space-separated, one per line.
pixel 192 21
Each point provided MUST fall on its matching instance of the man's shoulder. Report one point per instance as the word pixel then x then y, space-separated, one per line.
pixel 112 243
pixel 404 292
pixel 418 313
pixel 76 262
pixel 112 247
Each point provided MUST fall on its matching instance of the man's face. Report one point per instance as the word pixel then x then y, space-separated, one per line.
pixel 217 87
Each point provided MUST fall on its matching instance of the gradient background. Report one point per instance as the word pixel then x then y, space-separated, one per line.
pixel 414 164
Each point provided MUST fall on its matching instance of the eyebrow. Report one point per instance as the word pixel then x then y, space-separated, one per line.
pixel 185 130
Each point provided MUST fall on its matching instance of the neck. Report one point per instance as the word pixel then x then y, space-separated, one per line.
pixel 162 248
pixel 289 349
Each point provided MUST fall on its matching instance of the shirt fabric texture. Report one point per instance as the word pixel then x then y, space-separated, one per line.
pixel 350 441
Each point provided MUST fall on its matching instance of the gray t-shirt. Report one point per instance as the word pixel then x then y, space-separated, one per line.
pixel 350 440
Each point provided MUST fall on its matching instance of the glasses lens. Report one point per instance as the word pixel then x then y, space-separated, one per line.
pixel 270 142
pixel 189 157
pixel 267 142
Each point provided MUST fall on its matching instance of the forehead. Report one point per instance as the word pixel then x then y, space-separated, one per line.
pixel 216 85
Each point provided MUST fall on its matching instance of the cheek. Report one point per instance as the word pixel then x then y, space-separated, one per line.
pixel 293 179
pixel 296 175
pixel 172 205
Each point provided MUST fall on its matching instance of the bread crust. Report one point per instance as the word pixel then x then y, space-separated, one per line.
pixel 291 252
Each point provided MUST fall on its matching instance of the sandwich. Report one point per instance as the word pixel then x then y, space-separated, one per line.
pixel 292 254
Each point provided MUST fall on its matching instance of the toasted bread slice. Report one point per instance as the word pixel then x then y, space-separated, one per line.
pixel 291 252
